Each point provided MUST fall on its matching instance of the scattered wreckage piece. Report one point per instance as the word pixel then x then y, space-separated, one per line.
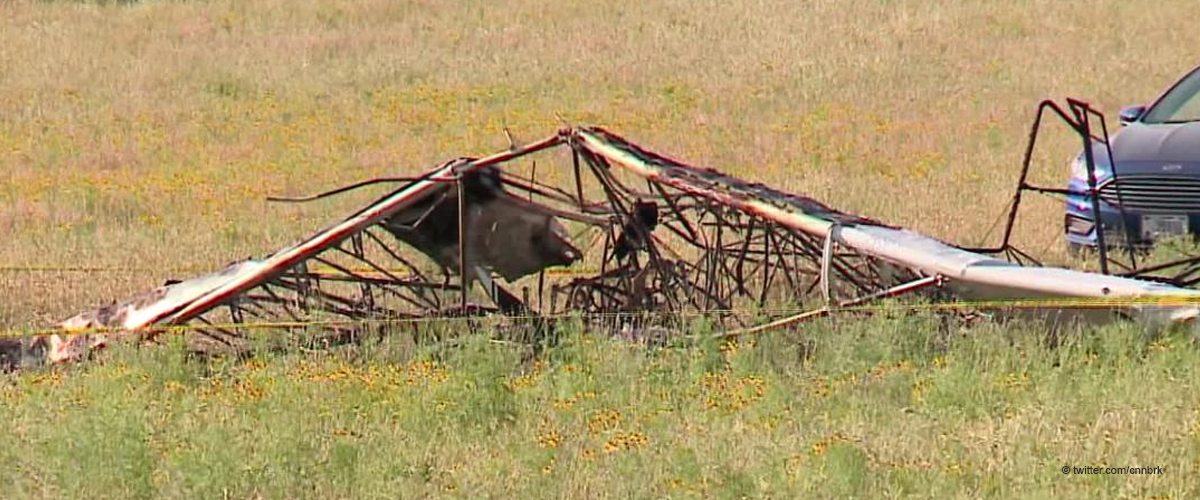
pixel 692 240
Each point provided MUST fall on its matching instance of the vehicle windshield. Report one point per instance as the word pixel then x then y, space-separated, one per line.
pixel 1180 105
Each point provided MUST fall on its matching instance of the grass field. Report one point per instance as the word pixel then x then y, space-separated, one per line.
pixel 145 136
pixel 863 408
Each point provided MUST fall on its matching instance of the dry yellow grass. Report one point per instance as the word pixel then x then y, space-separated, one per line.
pixel 147 135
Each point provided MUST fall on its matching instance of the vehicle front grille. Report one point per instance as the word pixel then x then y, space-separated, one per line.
pixel 1166 193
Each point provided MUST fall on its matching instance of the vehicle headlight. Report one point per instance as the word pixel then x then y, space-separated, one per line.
pixel 1079 169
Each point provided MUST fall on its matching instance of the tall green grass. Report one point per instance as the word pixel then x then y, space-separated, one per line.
pixel 882 407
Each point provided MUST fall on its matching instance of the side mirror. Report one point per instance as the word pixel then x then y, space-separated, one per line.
pixel 1130 114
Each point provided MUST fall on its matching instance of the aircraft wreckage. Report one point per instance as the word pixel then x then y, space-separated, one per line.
pixel 660 239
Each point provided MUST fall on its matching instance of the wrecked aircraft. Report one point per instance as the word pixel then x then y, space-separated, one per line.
pixel 665 238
